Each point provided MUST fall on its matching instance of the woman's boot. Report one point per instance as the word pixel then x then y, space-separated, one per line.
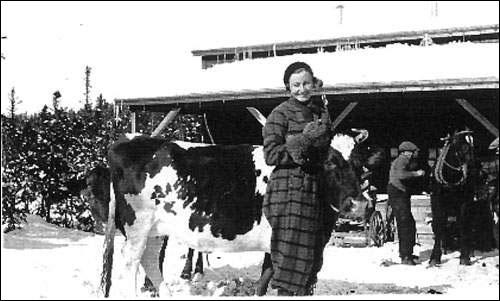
pixel 284 292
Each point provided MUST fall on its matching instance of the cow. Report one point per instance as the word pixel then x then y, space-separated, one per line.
pixel 363 158
pixel 209 197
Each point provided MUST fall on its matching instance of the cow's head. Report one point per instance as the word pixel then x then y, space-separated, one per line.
pixel 341 185
pixel 360 154
pixel 361 160
pixel 96 193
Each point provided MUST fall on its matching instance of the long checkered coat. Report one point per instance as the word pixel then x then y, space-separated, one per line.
pixel 291 204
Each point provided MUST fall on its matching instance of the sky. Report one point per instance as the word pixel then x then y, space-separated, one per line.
pixel 140 46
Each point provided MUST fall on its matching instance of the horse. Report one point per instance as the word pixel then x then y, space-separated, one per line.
pixel 452 193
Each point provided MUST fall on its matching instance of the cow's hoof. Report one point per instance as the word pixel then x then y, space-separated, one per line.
pixel 165 291
pixel 186 276
pixel 465 261
pixel 197 277
pixel 260 290
pixel 434 262
pixel 155 294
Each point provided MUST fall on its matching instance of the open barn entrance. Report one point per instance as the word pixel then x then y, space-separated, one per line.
pixel 419 111
pixel 390 118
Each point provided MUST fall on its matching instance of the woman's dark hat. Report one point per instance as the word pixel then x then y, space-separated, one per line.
pixel 292 68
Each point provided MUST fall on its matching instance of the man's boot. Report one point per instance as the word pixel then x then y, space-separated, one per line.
pixel 408 260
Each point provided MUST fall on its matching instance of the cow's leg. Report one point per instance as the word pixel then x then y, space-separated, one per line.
pixel 188 266
pixel 464 221
pixel 495 223
pixel 150 261
pixel 132 251
pixel 438 228
pixel 265 276
pixel 162 254
pixel 173 266
pixel 198 270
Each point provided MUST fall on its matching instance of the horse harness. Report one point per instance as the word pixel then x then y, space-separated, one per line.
pixel 441 161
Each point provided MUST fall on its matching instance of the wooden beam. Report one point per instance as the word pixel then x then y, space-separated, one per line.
pixel 132 117
pixel 343 115
pixel 169 118
pixel 339 89
pixel 475 113
pixel 257 115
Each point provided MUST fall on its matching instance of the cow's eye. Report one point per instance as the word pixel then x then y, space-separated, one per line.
pixel 330 166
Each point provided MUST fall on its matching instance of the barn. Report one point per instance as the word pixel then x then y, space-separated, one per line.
pixel 409 85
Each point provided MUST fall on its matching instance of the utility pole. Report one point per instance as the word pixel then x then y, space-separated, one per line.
pixel 434 9
pixel 3 56
pixel 340 8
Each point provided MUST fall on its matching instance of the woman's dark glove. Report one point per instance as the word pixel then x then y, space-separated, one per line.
pixel 315 134
pixel 297 146
pixel 318 133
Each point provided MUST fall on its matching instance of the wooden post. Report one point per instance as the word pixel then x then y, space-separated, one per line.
pixel 169 118
pixel 475 113
pixel 343 115
pixel 132 117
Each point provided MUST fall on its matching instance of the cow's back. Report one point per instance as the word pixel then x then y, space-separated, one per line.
pixel 202 195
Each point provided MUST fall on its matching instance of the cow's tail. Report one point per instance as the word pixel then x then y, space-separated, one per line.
pixel 109 240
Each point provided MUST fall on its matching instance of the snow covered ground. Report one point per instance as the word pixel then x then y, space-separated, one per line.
pixel 45 261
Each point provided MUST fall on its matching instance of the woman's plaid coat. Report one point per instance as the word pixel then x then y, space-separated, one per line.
pixel 291 204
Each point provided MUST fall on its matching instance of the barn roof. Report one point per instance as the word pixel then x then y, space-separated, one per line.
pixel 394 68
pixel 365 37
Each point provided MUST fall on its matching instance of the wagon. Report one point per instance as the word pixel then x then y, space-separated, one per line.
pixel 376 229
pixel 380 225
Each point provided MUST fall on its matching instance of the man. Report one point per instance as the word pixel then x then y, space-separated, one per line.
pixel 399 199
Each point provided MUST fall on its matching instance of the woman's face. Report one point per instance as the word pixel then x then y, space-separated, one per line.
pixel 301 85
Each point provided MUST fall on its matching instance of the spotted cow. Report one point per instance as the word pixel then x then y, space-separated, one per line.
pixel 207 197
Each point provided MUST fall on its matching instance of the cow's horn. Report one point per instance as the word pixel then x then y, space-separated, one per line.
pixel 334 208
pixel 362 136
pixel 446 138
pixel 464 132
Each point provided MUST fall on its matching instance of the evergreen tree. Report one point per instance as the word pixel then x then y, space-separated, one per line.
pixel 87 105
pixel 13 102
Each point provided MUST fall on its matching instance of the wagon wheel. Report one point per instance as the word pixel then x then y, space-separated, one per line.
pixel 377 229
pixel 390 222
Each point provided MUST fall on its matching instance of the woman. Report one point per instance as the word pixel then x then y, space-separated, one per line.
pixel 296 137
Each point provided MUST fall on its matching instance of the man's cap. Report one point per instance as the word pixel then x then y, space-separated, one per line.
pixel 407 146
